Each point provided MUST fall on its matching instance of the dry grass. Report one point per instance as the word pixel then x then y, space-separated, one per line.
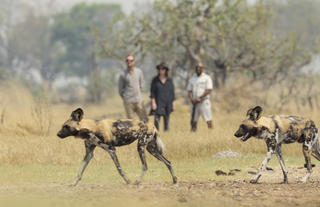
pixel 28 133
pixel 36 166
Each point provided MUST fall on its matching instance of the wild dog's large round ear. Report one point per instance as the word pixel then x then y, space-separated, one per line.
pixel 77 114
pixel 255 113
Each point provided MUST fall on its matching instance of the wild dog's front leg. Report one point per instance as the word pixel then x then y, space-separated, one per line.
pixel 306 148
pixel 89 154
pixel 283 167
pixel 112 151
pixel 263 165
pixel 312 134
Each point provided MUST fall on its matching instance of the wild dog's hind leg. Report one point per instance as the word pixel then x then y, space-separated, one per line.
pixel 153 149
pixel 89 154
pixel 112 151
pixel 141 148
pixel 263 165
pixel 283 167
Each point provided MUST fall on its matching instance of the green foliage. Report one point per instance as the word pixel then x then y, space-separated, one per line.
pixel 230 37
pixel 299 17
pixel 101 84
pixel 74 29
pixel 4 74
pixel 31 47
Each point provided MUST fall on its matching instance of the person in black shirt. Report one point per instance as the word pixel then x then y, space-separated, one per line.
pixel 162 96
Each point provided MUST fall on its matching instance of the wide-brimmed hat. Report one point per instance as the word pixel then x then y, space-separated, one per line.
pixel 162 65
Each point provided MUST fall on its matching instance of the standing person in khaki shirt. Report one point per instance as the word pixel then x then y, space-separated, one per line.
pixel 199 88
pixel 130 85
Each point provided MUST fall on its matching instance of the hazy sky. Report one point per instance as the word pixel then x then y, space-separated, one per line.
pixel 127 5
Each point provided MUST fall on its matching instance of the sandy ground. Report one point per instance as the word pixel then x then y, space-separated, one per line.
pixel 227 192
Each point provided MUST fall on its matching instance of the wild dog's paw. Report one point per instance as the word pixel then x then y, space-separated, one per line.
pixel 312 165
pixel 175 180
pixel 253 181
pixel 74 184
pixel 128 181
pixel 303 180
pixel 137 182
pixel 284 182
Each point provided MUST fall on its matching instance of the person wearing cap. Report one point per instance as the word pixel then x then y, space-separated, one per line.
pixel 162 96
pixel 199 88
pixel 130 85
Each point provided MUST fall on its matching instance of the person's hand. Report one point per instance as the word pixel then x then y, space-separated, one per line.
pixel 154 106
pixel 194 101
pixel 173 106
pixel 198 100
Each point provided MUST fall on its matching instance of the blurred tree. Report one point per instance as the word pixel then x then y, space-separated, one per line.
pixel 7 19
pixel 299 17
pixel 230 37
pixel 101 84
pixel 30 43
pixel 75 31
pixel 25 47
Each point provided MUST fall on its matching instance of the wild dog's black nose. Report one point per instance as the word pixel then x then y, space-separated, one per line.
pixel 59 135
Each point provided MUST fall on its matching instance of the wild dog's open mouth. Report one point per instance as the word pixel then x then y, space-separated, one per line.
pixel 246 137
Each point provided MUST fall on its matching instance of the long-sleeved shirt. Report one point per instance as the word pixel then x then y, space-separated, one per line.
pixel 164 95
pixel 130 85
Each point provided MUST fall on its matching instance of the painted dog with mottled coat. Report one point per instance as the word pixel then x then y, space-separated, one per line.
pixel 277 130
pixel 109 134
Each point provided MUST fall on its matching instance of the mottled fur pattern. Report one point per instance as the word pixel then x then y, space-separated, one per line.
pixel 109 134
pixel 277 130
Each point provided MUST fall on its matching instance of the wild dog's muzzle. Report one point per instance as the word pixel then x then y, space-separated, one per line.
pixel 245 136
pixel 61 135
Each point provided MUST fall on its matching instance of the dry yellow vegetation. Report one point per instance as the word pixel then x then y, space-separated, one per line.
pixel 28 128
pixel 36 166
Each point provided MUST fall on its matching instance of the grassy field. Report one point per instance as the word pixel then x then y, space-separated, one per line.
pixel 196 169
pixel 28 133
pixel 48 184
pixel 36 166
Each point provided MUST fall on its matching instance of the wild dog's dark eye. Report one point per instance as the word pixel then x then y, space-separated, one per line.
pixel 66 127
pixel 242 126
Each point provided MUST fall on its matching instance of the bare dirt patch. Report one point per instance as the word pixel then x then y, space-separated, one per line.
pixel 191 193
pixel 219 191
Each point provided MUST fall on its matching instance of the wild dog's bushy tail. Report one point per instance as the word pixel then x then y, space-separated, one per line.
pixel 316 147
pixel 159 143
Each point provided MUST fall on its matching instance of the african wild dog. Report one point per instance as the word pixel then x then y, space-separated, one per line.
pixel 109 134
pixel 277 130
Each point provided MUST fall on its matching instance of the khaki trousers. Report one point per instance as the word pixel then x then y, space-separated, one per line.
pixel 131 108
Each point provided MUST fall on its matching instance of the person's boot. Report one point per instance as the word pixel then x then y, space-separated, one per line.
pixel 210 126
pixel 194 126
